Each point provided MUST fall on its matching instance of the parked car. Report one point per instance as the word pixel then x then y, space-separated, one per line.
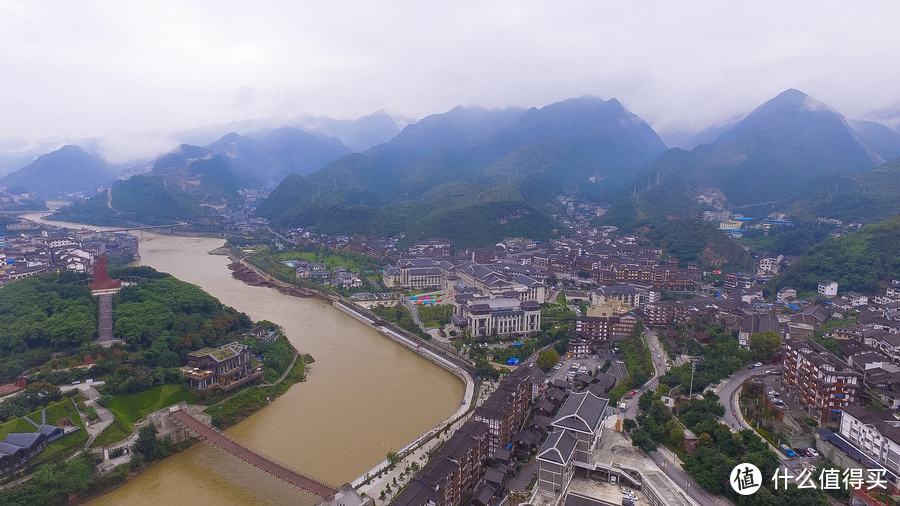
pixel 812 452
pixel 788 451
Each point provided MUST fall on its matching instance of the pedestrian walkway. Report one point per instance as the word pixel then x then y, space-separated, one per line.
pixel 228 445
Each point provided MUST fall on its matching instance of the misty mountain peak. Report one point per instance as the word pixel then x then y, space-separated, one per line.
pixel 68 169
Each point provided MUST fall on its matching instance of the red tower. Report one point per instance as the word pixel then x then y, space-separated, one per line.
pixel 102 282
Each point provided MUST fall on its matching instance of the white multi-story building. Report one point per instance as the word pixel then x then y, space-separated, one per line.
pixel 874 432
pixel 416 273
pixel 501 316
pixel 828 288
pixel 770 265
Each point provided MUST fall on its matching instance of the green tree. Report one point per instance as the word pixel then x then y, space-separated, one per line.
pixel 147 445
pixel 642 440
pixel 392 458
pixel 764 345
pixel 548 359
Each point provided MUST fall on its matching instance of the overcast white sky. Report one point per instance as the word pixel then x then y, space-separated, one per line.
pixel 92 68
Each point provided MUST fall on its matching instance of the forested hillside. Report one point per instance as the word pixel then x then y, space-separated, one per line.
pixel 473 175
pixel 160 315
pixel 864 261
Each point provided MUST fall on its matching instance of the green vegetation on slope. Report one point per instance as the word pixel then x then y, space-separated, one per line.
pixel 470 175
pixel 862 261
pixel 178 314
pixel 49 311
pixel 142 199
pixel 722 356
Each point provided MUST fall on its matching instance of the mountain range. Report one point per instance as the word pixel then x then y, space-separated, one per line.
pixel 69 169
pixel 471 174
pixel 266 158
pixel 358 134
pixel 769 160
pixel 194 182
pixel 475 175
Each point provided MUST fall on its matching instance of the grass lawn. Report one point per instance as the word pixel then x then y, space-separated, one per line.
pixel 60 410
pixel 133 407
pixel 16 425
pixel 55 411
pixel 435 316
pixel 116 432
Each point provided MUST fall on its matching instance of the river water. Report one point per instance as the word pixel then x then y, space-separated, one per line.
pixel 364 396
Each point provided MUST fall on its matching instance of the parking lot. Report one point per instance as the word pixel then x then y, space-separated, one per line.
pixel 569 368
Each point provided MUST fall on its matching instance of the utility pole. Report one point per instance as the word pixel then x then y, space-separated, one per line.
pixel 691 394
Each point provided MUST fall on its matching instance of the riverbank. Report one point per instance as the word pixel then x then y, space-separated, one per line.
pixel 366 397
pixel 255 276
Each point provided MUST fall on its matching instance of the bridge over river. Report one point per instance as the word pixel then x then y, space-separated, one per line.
pixel 265 464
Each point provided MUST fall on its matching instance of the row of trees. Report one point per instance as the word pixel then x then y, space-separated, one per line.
pixel 638 362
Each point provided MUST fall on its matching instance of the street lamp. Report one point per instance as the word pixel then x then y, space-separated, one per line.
pixel 691 394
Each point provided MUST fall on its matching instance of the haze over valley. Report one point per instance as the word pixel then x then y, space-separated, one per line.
pixel 426 253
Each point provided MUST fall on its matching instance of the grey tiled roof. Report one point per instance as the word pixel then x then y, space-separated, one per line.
pixel 581 412
pixel 558 447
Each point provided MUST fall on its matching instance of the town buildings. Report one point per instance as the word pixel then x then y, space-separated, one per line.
pixel 225 367
pixel 602 324
pixel 485 317
pixel 414 273
pixel 822 383
pixel 488 299
pixel 625 295
pixel 452 474
pixel 30 249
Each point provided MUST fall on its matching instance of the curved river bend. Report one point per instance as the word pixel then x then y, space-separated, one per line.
pixel 365 396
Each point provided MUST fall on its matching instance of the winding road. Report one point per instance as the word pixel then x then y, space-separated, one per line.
pixel 663 458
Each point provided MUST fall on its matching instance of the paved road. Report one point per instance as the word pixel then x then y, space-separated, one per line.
pixel 683 480
pixel 658 355
pixel 729 389
pixel 664 459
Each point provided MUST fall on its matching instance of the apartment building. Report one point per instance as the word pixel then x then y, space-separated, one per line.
pixel 450 477
pixel 601 325
pixel 875 432
pixel 824 384
pixel 504 411
pixel 886 343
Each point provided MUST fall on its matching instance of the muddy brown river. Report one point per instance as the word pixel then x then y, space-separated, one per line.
pixel 364 396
